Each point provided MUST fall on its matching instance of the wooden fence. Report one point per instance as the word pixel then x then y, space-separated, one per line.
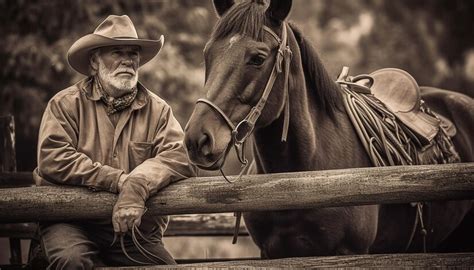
pixel 302 190
pixel 251 193
pixel 375 261
pixel 260 193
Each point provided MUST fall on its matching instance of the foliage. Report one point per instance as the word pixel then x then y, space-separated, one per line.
pixel 37 35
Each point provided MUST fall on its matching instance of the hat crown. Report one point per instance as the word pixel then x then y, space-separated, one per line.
pixel 113 31
pixel 117 27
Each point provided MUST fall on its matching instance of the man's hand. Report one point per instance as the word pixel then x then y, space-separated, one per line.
pixel 130 205
pixel 123 219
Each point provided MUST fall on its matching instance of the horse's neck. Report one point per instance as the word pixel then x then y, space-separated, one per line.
pixel 316 141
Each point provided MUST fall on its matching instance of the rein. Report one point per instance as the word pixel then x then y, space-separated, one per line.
pixel 242 131
pixel 245 127
pixel 152 258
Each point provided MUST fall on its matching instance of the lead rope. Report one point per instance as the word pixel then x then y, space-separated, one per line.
pixel 248 123
pixel 287 56
pixel 152 258
pixel 424 232
pixel 155 259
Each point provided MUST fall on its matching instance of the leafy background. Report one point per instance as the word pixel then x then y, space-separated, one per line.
pixel 431 39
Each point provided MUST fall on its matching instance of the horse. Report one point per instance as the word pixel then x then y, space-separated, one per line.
pixel 306 107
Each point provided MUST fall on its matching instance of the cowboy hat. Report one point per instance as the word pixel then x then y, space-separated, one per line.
pixel 113 31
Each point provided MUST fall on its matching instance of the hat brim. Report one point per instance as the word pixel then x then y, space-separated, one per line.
pixel 79 53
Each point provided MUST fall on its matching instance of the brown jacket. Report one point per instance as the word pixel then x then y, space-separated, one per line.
pixel 79 145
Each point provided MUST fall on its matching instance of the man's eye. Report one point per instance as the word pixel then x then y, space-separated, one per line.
pixel 257 60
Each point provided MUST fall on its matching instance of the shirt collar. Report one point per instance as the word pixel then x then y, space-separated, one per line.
pixel 93 94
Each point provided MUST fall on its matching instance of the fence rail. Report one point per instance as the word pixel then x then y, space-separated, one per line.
pixel 379 261
pixel 180 225
pixel 253 193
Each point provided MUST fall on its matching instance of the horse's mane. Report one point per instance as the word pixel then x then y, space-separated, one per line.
pixel 245 18
pixel 327 92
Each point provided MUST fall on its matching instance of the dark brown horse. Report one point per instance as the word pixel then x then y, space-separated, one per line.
pixel 240 57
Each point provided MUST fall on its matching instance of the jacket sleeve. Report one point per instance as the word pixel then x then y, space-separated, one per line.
pixel 58 159
pixel 169 162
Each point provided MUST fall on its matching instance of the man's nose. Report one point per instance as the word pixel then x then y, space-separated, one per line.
pixel 127 61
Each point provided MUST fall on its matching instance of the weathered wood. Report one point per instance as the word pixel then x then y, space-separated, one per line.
pixel 16 179
pixel 7 144
pixel 253 193
pixel 180 225
pixel 378 261
pixel 18 230
pixel 8 164
pixel 204 225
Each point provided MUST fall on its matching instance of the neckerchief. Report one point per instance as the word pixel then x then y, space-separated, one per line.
pixel 114 104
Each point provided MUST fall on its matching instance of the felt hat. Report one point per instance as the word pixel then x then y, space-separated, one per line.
pixel 113 31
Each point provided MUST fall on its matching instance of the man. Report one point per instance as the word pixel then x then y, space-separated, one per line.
pixel 108 132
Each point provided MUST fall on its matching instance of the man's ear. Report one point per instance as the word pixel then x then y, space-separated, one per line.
pixel 94 61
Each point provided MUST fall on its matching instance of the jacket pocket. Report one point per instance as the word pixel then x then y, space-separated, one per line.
pixel 138 152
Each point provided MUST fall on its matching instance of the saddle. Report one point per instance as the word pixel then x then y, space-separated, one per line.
pixel 395 126
pixel 392 121
pixel 399 91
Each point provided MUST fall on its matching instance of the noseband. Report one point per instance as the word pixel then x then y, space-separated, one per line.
pixel 244 128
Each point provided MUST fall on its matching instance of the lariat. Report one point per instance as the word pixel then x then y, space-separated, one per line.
pixel 152 258
pixel 387 141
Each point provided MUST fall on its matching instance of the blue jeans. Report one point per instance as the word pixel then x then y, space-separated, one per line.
pixel 84 245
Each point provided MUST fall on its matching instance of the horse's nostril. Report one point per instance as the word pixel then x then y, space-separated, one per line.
pixel 204 145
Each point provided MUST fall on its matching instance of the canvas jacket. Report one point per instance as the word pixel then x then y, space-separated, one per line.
pixel 79 145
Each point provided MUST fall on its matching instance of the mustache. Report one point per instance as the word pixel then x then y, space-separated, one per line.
pixel 126 70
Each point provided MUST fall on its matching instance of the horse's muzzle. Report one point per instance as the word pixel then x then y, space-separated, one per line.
pixel 200 150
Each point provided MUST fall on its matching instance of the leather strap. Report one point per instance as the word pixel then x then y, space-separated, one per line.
pixel 217 109
pixel 244 128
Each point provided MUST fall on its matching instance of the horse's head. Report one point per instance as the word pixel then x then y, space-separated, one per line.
pixel 243 58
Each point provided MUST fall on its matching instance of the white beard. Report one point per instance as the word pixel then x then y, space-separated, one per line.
pixel 118 86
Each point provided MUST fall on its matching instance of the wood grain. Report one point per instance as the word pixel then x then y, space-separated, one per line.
pixel 179 225
pixel 377 261
pixel 300 190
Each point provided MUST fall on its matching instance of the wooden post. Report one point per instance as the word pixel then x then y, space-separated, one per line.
pixel 7 147
pixel 8 164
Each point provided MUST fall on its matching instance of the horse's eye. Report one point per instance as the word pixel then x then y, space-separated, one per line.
pixel 257 60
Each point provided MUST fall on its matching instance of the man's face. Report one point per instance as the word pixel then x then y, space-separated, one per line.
pixel 118 67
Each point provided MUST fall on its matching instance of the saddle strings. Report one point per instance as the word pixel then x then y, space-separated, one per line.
pixel 386 142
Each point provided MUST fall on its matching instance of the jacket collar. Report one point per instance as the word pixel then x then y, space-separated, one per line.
pixel 92 94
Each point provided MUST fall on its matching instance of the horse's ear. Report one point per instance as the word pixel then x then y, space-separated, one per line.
pixel 221 6
pixel 279 9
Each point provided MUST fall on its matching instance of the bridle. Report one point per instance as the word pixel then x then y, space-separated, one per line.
pixel 245 127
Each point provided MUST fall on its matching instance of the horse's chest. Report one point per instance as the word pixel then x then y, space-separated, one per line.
pixel 303 232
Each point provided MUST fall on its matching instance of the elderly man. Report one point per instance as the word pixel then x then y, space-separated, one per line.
pixel 108 132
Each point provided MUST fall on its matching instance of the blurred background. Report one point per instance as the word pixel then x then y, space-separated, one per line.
pixel 431 39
